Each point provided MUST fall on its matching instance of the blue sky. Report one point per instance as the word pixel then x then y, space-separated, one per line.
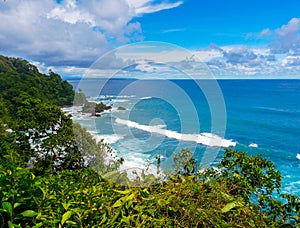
pixel 197 23
pixel 234 38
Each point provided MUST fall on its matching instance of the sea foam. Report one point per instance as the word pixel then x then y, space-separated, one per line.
pixel 207 139
pixel 253 145
pixel 110 139
pixel 146 98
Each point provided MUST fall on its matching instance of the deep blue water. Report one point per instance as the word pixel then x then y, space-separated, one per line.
pixel 261 117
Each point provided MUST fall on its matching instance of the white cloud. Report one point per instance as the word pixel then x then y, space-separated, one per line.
pixel 288 38
pixel 70 35
pixel 71 15
pixel 291 61
pixel 27 32
pixel 251 63
pixel 140 7
pixel 149 61
pixel 205 55
pixel 71 32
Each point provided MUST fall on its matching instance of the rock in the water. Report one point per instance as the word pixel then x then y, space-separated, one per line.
pixel 121 108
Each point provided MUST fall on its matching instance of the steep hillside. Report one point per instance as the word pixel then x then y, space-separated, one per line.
pixel 19 79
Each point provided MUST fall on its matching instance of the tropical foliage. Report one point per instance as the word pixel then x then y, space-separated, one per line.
pixel 82 198
pixel 19 79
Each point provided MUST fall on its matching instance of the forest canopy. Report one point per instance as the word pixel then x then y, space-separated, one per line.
pixel 20 79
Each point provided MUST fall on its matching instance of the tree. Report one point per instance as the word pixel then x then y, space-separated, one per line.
pixel 99 155
pixel 184 162
pixel 79 98
pixel 48 133
pixel 54 143
pixel 255 180
pixel 19 76
pixel 248 175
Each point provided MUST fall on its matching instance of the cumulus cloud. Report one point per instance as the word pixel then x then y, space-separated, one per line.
pixel 71 32
pixel 240 55
pixel 236 56
pixel 288 38
pixel 70 14
pixel 248 62
pixel 216 62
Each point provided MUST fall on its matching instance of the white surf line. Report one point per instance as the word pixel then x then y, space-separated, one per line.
pixel 146 98
pixel 207 139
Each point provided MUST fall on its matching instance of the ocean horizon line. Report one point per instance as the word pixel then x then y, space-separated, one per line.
pixel 180 79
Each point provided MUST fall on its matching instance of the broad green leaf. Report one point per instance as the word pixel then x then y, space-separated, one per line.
pixel 66 216
pixel 38 225
pixel 124 199
pixel 29 213
pixel 130 197
pixel 119 202
pixel 39 216
pixel 228 207
pixel 17 205
pixel 7 207
pixel 10 224
pixel 124 192
pixel 71 222
pixel 66 205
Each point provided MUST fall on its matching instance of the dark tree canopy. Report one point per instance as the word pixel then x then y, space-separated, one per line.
pixel 19 79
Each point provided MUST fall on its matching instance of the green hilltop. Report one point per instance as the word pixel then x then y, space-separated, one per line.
pixel 19 79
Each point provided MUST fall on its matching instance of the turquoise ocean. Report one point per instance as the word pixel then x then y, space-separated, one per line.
pixel 151 118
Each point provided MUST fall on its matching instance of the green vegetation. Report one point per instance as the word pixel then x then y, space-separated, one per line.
pixel 79 98
pixel 63 185
pixel 20 79
pixel 82 198
pixel 95 109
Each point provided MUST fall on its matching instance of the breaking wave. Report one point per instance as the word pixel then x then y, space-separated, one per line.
pixel 207 139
